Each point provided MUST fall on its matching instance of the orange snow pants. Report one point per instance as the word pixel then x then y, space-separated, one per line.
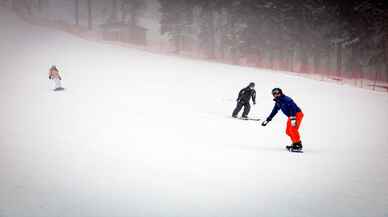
pixel 293 132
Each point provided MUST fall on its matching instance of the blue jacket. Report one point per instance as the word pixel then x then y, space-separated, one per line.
pixel 286 104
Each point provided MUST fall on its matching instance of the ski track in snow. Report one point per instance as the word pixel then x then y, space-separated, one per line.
pixel 139 134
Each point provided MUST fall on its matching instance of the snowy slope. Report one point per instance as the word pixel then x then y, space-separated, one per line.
pixel 143 135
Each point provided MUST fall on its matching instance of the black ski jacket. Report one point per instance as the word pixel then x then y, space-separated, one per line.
pixel 246 94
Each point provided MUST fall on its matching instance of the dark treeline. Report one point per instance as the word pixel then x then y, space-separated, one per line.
pixel 342 38
pixel 347 38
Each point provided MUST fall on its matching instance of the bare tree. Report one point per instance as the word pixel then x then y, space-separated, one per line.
pixel 113 16
pixel 22 6
pixel 90 15
pixel 385 41
pixel 132 8
pixel 76 4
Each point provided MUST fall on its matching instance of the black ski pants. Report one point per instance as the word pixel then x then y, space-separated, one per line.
pixel 240 104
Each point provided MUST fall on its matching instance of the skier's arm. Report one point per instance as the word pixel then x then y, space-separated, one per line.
pixel 254 96
pixel 240 94
pixel 273 113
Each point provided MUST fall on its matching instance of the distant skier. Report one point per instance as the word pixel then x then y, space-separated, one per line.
pixel 54 75
pixel 294 114
pixel 243 99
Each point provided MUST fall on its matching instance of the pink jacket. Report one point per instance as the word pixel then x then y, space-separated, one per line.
pixel 53 74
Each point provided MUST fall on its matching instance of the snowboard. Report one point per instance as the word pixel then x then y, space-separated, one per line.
pixel 295 150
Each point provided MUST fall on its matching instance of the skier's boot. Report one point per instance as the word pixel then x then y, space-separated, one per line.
pixel 234 116
pixel 244 117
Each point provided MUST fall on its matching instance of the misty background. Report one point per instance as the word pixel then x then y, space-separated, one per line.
pixel 144 127
pixel 322 38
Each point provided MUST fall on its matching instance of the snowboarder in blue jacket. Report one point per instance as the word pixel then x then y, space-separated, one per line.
pixel 294 114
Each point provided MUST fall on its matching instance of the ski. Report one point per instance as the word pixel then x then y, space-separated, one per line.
pixel 249 119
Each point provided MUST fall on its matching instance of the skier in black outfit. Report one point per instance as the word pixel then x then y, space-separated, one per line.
pixel 243 99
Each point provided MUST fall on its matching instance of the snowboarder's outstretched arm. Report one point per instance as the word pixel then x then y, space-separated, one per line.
pixel 273 113
pixel 275 110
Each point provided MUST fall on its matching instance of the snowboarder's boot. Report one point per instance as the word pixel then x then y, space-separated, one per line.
pixel 295 147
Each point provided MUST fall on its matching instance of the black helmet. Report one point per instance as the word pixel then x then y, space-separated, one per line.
pixel 277 90
pixel 252 84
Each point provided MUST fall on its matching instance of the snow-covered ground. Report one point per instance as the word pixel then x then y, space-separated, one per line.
pixel 143 135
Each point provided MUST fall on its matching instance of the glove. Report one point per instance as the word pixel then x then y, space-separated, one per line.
pixel 293 121
pixel 264 123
